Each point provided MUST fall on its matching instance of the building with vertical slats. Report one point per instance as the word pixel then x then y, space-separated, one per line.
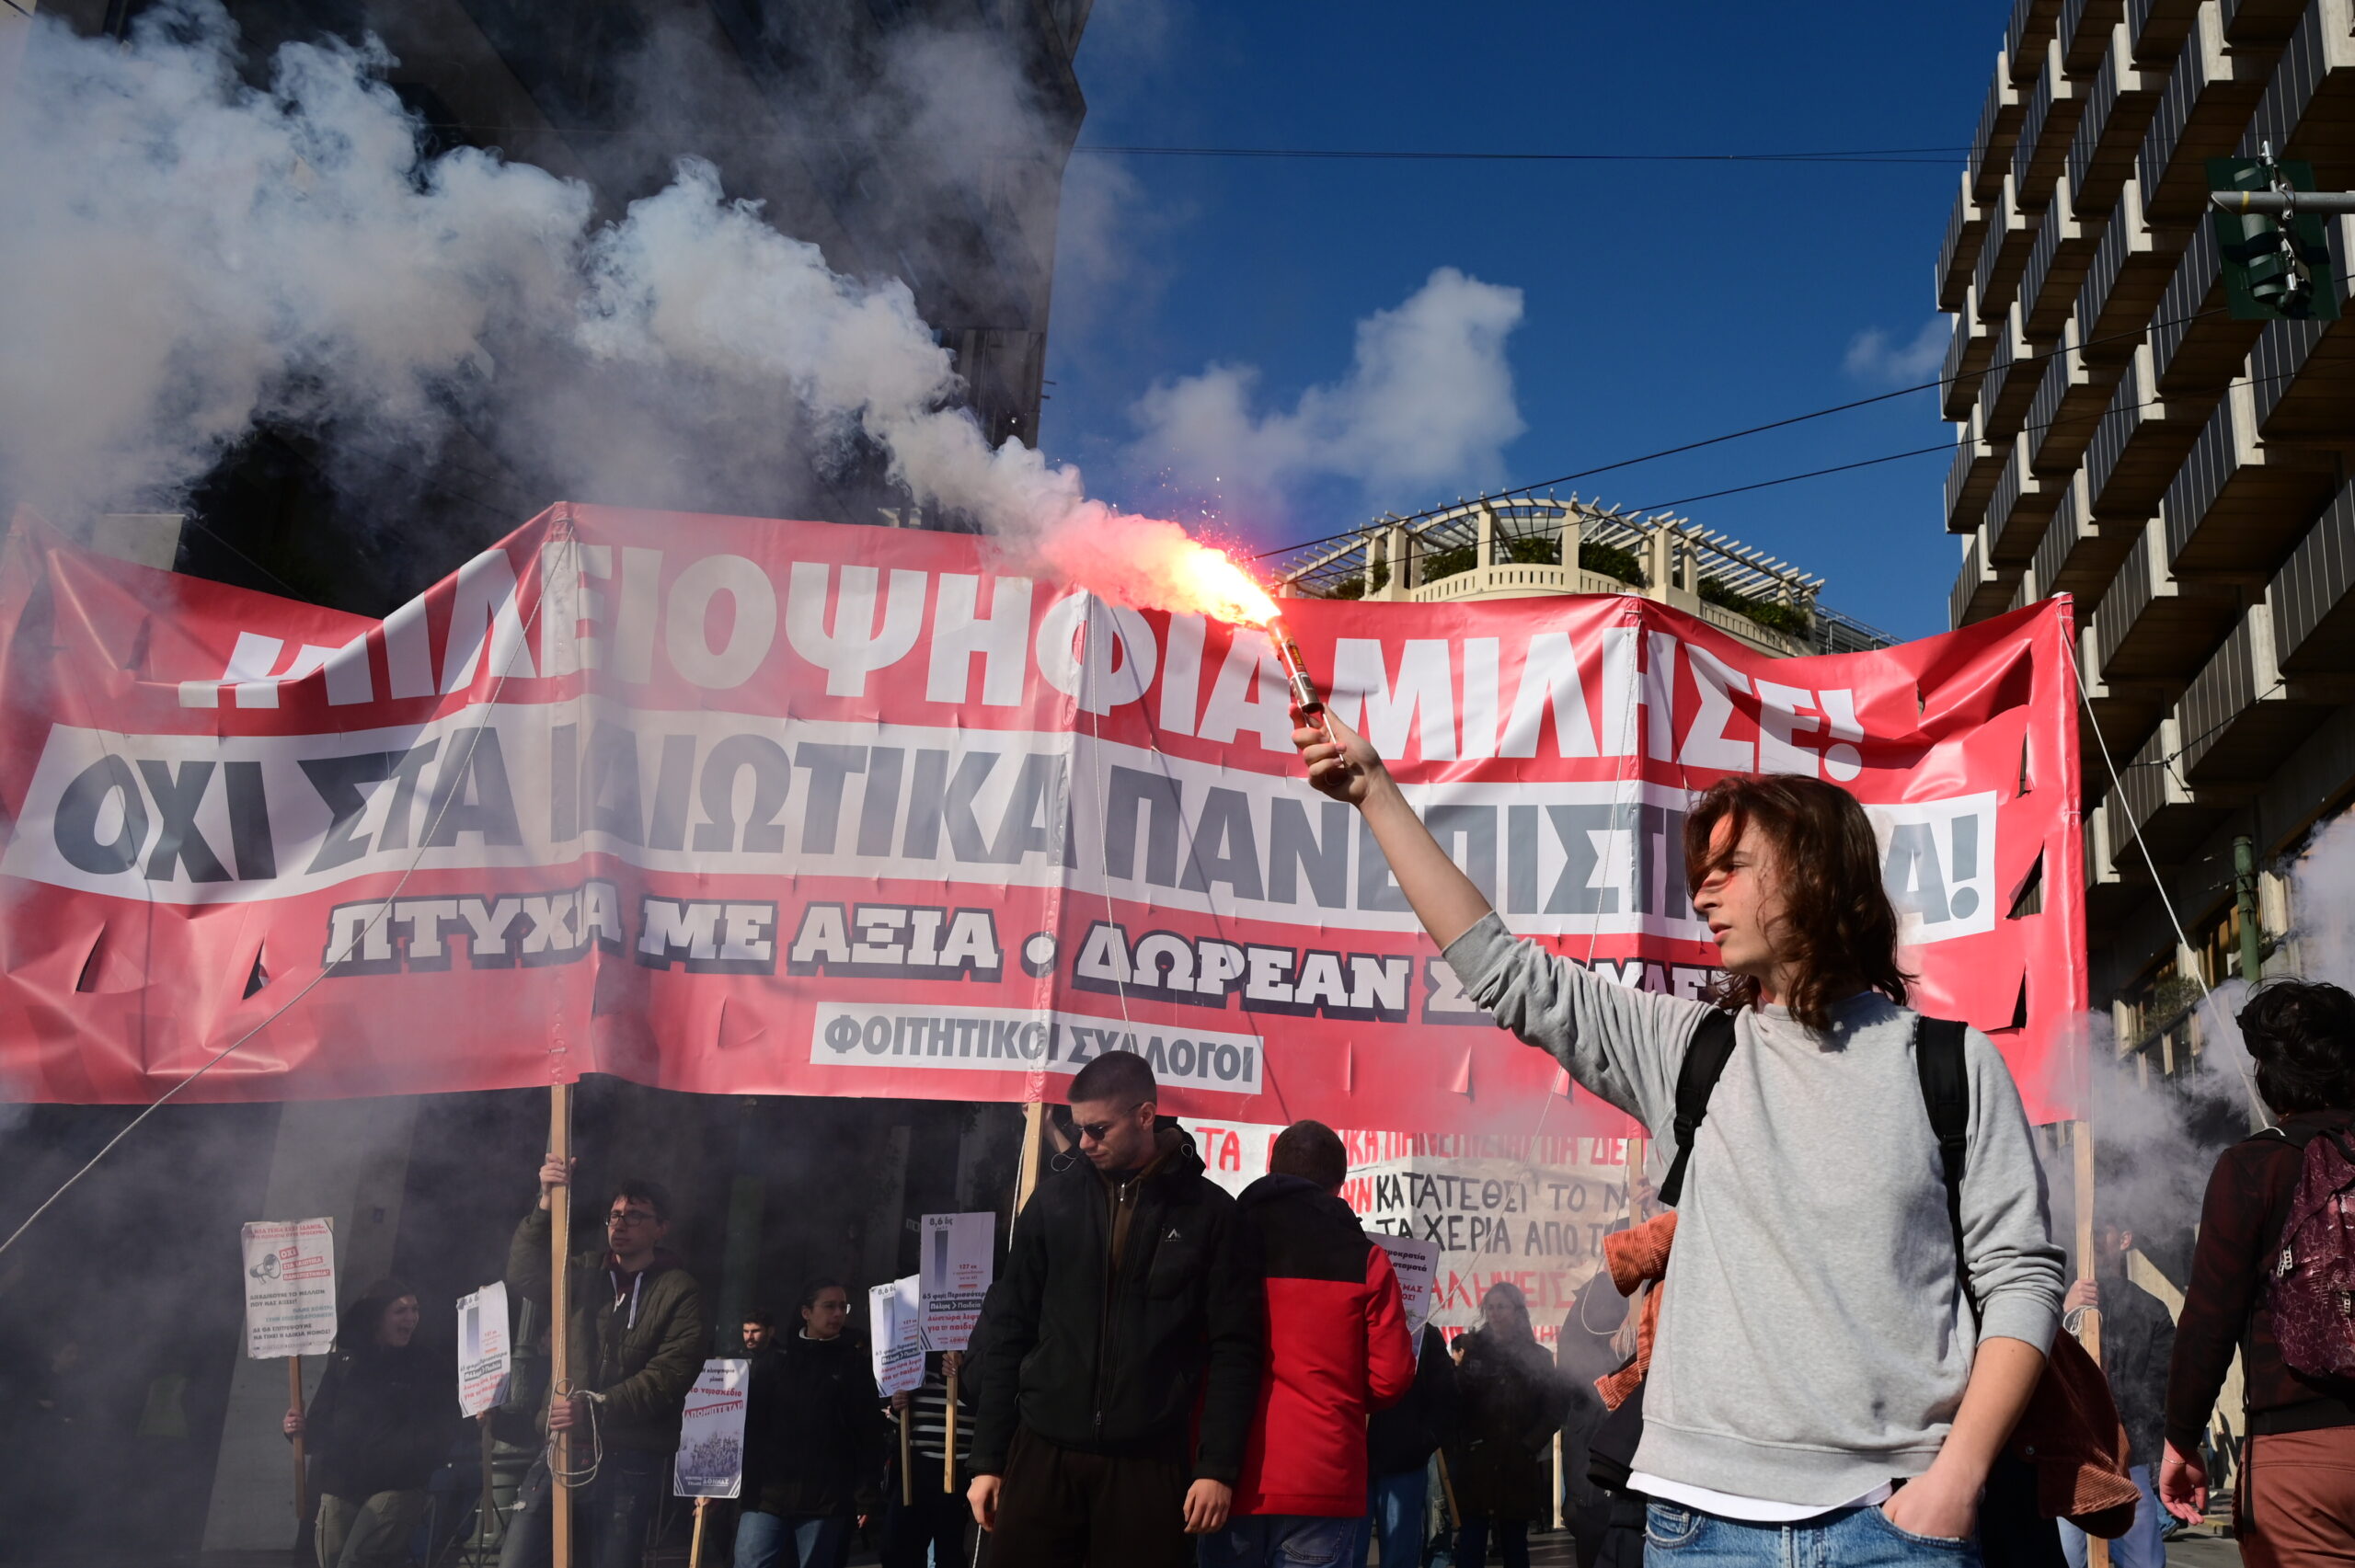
pixel 2185 476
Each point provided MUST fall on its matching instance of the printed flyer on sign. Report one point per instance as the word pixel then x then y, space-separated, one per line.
pixel 290 1287
pixel 486 1360
pixel 956 1266
pixel 895 1324
pixel 711 1433
pixel 1415 1263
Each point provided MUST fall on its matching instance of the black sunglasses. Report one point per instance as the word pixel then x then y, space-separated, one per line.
pixel 1095 1132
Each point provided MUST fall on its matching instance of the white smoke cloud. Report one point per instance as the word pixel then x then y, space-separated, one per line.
pixel 1873 357
pixel 189 257
pixel 1428 400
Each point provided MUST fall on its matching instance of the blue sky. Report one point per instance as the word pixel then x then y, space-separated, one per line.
pixel 1658 303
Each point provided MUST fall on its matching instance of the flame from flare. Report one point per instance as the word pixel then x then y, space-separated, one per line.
pixel 1153 564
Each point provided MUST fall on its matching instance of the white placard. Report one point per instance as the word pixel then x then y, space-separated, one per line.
pixel 1417 1265
pixel 290 1287
pixel 711 1434
pixel 895 1322
pixel 954 1272
pixel 486 1360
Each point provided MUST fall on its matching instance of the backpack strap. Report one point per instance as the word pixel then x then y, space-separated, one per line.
pixel 1704 1061
pixel 1945 1094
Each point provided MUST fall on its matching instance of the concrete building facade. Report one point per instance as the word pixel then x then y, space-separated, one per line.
pixel 2183 474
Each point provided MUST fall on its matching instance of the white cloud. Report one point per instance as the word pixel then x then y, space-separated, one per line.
pixel 1871 356
pixel 1427 400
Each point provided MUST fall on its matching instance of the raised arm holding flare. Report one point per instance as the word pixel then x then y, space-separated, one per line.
pixel 1817 1367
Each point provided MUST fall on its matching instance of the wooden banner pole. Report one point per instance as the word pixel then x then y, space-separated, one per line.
pixel 561 1323
pixel 694 1543
pixel 2088 1267
pixel 294 1402
pixel 489 1509
pixel 907 1477
pixel 948 1448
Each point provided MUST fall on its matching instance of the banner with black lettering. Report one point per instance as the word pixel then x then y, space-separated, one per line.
pixel 742 806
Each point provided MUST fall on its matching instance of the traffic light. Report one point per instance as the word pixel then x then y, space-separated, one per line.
pixel 2276 265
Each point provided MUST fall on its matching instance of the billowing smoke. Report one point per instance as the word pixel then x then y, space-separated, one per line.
pixel 192 256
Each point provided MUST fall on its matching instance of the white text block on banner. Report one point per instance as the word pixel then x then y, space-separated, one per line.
pixel 1415 1263
pixel 711 1433
pixel 290 1287
pixel 954 1274
pixel 486 1359
pixel 895 1328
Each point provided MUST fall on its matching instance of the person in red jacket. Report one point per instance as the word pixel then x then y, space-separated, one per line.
pixel 1336 1351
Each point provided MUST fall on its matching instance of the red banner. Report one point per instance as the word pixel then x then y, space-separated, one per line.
pixel 729 804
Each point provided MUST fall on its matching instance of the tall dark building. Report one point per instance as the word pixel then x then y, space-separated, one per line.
pixel 918 140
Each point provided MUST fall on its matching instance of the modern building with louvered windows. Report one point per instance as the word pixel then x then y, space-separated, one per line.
pixel 2186 475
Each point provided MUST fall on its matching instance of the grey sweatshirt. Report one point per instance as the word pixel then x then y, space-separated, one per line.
pixel 1814 1339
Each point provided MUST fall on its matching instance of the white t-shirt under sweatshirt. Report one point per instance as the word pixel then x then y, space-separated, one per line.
pixel 1814 1339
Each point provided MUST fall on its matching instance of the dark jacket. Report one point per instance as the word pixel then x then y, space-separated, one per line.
pixel 1336 1350
pixel 383 1421
pixel 1405 1435
pixel 1513 1403
pixel 642 1354
pixel 2137 1338
pixel 2225 1309
pixel 814 1440
pixel 1111 1361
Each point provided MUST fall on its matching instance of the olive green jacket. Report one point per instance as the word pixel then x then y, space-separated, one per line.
pixel 642 1357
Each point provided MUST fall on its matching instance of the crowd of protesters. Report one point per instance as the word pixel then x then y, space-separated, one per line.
pixel 1855 1356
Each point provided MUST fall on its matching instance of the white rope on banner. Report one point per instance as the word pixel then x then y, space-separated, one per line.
pixel 563 529
pixel 2158 883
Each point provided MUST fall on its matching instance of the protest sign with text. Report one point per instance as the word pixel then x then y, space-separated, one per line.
pixel 711 1433
pixel 895 1326
pixel 958 1263
pixel 290 1287
pixel 486 1360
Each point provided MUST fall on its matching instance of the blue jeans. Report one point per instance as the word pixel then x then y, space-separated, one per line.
pixel 1280 1540
pixel 1512 1537
pixel 802 1540
pixel 2143 1545
pixel 1847 1538
pixel 1394 1507
pixel 610 1514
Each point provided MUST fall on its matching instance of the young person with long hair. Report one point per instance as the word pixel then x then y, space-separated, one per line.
pixel 1821 1390
pixel 2295 1501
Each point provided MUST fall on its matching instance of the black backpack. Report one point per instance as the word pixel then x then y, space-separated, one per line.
pixel 2010 1530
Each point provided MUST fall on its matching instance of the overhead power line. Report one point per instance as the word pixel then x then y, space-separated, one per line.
pixel 1418 155
pixel 1753 431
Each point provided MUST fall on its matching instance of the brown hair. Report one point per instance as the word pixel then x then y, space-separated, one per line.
pixel 1312 1151
pixel 1838 926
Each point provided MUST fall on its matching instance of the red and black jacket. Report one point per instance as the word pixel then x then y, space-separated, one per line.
pixel 2225 1309
pixel 1337 1352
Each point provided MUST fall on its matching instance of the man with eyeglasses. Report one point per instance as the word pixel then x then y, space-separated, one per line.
pixel 635 1343
pixel 1118 1359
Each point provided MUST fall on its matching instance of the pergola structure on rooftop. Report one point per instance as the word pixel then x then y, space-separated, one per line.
pixel 1524 544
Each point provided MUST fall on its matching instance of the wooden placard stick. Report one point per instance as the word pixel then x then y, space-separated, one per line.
pixel 2089 1325
pixel 561 1323
pixel 948 1448
pixel 1447 1491
pixel 694 1543
pixel 294 1402
pixel 907 1476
